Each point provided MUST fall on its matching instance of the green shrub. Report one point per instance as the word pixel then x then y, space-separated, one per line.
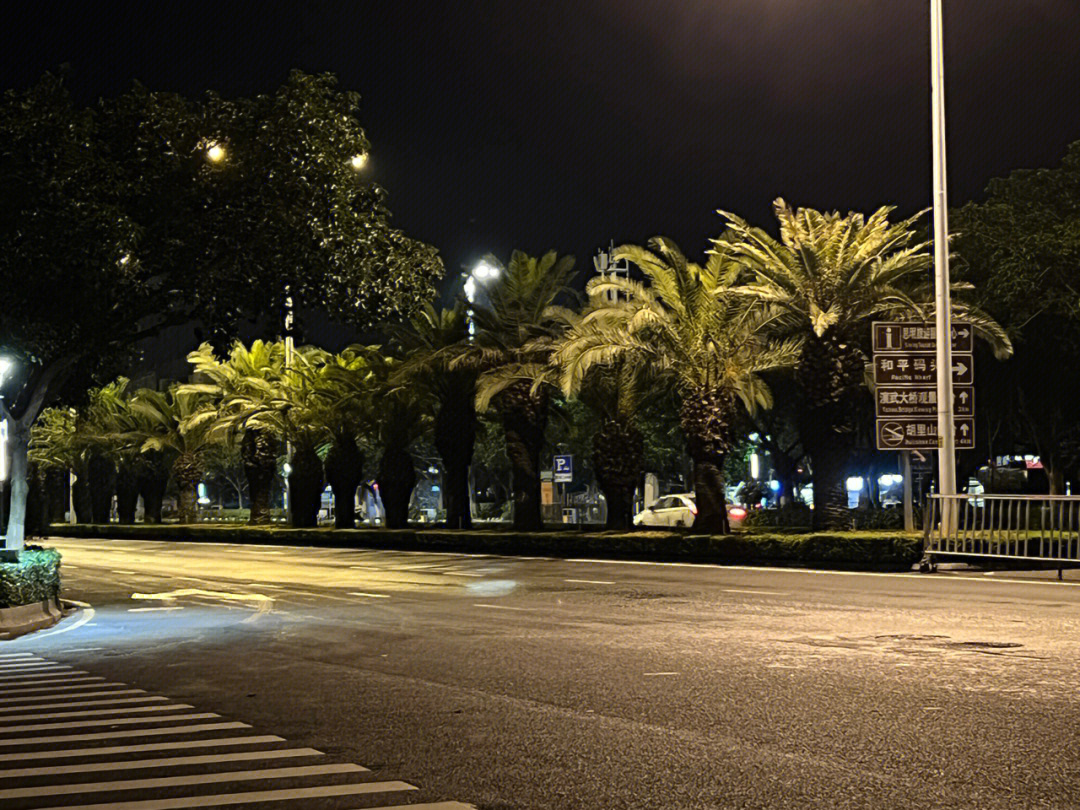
pixel 790 515
pixel 873 548
pixel 34 578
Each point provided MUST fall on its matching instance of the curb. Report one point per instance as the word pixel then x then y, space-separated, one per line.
pixel 23 619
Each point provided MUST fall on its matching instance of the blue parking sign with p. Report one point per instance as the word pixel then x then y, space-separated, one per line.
pixel 563 469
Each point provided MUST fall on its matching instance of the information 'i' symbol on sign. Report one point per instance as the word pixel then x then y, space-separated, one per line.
pixel 892 434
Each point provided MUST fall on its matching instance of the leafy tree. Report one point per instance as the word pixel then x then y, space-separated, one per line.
pixel 823 282
pixel 433 334
pixel 403 419
pixel 689 325
pixel 151 209
pixel 1021 249
pixel 516 334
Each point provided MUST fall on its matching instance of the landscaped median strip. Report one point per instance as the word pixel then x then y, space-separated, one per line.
pixel 287 781
pixel 865 549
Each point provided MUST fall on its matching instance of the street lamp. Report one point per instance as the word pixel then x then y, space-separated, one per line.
pixel 359 161
pixel 215 152
pixel 484 272
pixel 942 302
pixel 6 364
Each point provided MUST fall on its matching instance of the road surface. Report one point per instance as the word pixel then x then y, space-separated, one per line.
pixel 510 683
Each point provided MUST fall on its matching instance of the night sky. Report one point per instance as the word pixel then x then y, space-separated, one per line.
pixel 569 124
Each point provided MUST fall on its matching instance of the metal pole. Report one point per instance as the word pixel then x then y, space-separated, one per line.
pixel 909 510
pixel 942 303
pixel 289 349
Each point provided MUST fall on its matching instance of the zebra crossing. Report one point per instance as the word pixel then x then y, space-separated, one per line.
pixel 71 740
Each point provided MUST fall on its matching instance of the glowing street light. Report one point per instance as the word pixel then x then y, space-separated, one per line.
pixel 215 153
pixel 359 161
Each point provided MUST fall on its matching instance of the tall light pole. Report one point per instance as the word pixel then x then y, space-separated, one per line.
pixel 942 302
pixel 5 366
pixel 480 275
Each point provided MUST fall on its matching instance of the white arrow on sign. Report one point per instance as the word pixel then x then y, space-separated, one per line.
pixel 960 368
pixel 964 430
pixel 963 397
pixel 963 332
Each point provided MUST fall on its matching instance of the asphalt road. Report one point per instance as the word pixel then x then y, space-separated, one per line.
pixel 513 683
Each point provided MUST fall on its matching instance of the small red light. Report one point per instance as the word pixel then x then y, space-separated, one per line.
pixel 737 512
pixel 693 509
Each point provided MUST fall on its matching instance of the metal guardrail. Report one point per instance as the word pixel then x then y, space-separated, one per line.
pixel 1024 527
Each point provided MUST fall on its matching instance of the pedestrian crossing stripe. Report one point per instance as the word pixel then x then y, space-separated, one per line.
pixel 43 696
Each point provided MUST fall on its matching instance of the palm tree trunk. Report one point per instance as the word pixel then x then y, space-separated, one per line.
pixel 305 486
pixel 619 462
pixel 259 453
pixel 187 470
pixel 152 485
pixel 127 493
pixel 707 417
pixel 524 441
pixel 102 486
pixel 455 438
pixel 344 472
pixel 829 456
pixel 396 477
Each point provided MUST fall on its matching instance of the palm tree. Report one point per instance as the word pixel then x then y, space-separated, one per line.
pixel 825 280
pixel 55 444
pixel 347 398
pixel 247 371
pixel 403 418
pixel 425 347
pixel 172 425
pixel 515 336
pixel 689 326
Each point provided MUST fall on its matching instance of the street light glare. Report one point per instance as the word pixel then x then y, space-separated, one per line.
pixel 359 160
pixel 485 271
pixel 5 366
pixel 215 153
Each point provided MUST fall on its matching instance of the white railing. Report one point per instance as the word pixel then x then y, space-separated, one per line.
pixel 1026 527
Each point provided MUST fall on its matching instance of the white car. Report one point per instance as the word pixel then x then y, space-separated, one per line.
pixel 670 510
pixel 680 510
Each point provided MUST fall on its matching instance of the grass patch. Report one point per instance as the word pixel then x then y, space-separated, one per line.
pixel 877 549
pixel 34 578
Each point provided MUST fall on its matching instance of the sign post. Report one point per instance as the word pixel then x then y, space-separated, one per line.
pixel 908 396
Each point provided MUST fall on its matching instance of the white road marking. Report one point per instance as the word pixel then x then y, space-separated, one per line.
pixel 68 704
pixel 25 662
pixel 6 656
pixel 69 696
pixel 817 572
pixel 179 781
pixel 430 806
pixel 110 735
pixel 654 674
pixel 220 800
pixel 33 675
pixel 87 615
pixel 82 682
pixel 372 595
pixel 95 713
pixel 112 721
pixel 591 581
pixel 160 762
pixel 754 592
pixel 153 609
pixel 502 607
pixel 126 573
pixel 134 749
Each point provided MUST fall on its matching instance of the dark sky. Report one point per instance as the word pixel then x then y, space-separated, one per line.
pixel 551 124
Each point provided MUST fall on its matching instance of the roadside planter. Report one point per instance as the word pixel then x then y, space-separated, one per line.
pixel 30 592
pixel 873 550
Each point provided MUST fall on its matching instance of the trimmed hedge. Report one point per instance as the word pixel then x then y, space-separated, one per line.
pixel 845 549
pixel 34 578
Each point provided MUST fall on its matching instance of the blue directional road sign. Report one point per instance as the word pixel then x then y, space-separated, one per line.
pixel 564 469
